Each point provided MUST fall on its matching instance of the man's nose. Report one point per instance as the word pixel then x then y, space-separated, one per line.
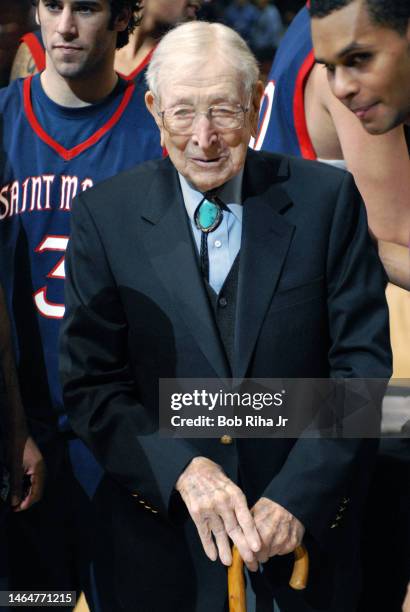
pixel 204 134
pixel 343 84
pixel 66 25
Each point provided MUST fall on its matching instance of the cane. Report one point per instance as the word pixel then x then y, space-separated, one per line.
pixel 236 578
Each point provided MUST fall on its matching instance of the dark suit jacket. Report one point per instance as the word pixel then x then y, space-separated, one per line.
pixel 310 303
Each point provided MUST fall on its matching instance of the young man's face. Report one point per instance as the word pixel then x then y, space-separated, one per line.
pixel 368 66
pixel 76 35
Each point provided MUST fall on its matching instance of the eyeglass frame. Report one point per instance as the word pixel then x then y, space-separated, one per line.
pixel 208 114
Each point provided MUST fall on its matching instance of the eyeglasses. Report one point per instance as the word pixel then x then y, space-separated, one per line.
pixel 225 117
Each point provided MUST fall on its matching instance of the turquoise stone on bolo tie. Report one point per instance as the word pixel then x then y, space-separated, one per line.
pixel 207 216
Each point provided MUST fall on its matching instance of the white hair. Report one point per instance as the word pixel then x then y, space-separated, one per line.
pixel 200 41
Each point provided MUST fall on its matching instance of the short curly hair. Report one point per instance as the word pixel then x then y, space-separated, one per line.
pixel 135 7
pixel 394 14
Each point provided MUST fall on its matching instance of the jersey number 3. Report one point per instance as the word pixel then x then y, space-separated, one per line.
pixel 44 306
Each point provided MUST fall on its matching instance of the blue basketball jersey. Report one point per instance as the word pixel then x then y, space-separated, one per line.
pixel 49 154
pixel 282 124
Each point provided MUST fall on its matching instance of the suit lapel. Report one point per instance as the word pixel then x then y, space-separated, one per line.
pixel 169 243
pixel 266 237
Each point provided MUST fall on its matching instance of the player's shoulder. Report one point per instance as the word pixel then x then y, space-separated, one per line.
pixel 30 37
pixel 301 22
pixel 297 39
pixel 11 95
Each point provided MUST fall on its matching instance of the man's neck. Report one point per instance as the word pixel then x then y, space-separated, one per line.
pixel 139 45
pixel 230 192
pixel 78 92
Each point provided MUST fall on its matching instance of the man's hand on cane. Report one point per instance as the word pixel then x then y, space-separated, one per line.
pixel 280 531
pixel 219 510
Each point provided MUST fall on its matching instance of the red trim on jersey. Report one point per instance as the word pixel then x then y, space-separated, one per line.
pixel 36 50
pixel 299 118
pixel 261 122
pixel 139 68
pixel 68 154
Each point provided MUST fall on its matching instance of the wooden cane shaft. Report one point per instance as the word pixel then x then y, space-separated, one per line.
pixel 236 579
pixel 236 583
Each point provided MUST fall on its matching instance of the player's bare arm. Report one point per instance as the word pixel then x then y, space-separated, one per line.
pixel 322 130
pixel 396 261
pixel 379 163
pixel 24 64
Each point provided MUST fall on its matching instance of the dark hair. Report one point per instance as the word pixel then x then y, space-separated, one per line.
pixel 117 6
pixel 394 14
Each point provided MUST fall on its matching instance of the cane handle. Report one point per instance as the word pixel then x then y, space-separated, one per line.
pixel 299 578
pixel 236 579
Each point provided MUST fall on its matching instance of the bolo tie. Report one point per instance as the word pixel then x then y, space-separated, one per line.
pixel 207 217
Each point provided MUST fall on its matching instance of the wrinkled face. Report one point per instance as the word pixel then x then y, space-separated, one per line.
pixel 76 34
pixel 368 66
pixel 207 157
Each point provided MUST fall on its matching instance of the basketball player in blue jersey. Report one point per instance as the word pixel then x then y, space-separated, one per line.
pixel 62 131
pixel 158 17
pixel 354 110
pixel 301 116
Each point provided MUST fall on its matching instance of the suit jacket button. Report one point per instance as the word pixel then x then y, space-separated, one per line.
pixel 226 439
pixel 223 302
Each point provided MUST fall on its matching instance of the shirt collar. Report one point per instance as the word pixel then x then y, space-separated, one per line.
pixel 230 193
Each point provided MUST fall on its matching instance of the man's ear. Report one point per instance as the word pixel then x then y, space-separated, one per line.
pixel 255 106
pixel 151 106
pixel 122 19
pixel 37 17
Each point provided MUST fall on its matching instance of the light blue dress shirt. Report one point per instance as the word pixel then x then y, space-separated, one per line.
pixel 224 242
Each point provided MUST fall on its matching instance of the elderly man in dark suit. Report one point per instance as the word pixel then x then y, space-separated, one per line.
pixel 219 262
